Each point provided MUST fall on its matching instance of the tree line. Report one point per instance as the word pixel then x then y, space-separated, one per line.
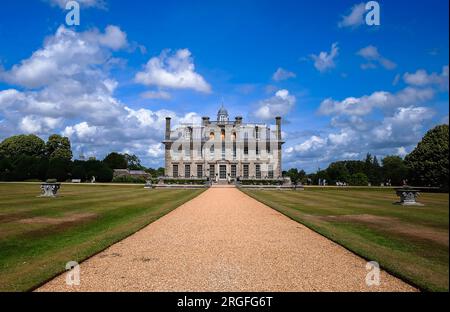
pixel 29 158
pixel 426 165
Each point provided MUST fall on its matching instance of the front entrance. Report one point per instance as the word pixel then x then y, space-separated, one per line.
pixel 222 172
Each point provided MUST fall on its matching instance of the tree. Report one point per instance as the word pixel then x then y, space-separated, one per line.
pixel 30 145
pixel 133 162
pixel 116 161
pixel 338 171
pixel 58 169
pixel 58 147
pixel 428 162
pixel 394 169
pixel 78 170
pixel 358 179
pixel 99 170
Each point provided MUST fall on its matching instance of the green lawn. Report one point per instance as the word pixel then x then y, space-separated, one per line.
pixel 410 242
pixel 38 236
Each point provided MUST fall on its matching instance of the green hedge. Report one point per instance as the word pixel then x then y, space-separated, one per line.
pixel 185 181
pixel 129 179
pixel 261 182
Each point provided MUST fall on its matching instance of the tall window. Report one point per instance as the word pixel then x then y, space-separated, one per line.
pixel 245 171
pixel 211 135
pixel 199 171
pixel 257 132
pixel 270 173
pixel 233 138
pixel 233 171
pixel 212 171
pixel 223 143
pixel 245 143
pixel 187 171
pixel 175 171
pixel 258 171
pixel 211 150
pixel 268 141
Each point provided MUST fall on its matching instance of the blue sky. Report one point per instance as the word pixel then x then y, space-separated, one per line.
pixel 344 88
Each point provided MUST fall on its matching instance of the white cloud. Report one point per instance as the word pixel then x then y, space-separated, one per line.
pixel 325 61
pixel 371 54
pixel 174 71
pixel 66 56
pixel 355 18
pixel 155 150
pixel 36 124
pixel 421 78
pixel 278 105
pixel 66 87
pixel 81 131
pixel 282 74
pixel 380 99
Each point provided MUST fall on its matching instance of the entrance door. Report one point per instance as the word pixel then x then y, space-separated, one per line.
pixel 222 172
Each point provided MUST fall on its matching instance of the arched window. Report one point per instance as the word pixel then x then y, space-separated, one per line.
pixel 211 135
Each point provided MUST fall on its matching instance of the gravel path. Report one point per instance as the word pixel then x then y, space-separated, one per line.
pixel 223 240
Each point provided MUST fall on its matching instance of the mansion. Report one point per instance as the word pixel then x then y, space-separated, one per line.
pixel 223 150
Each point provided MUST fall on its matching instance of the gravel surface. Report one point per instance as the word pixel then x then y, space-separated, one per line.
pixel 223 240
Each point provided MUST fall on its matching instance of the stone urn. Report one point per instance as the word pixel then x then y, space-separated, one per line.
pixel 408 196
pixel 50 189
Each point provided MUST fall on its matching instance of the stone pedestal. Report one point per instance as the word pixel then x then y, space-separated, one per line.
pixel 408 196
pixel 50 189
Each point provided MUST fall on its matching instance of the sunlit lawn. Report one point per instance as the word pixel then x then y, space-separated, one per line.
pixel 409 241
pixel 38 236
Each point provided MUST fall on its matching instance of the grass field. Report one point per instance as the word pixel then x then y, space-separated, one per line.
pixel 410 242
pixel 38 236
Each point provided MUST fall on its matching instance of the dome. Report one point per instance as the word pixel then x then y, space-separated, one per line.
pixel 222 114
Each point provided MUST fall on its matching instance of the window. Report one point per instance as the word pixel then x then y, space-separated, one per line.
pixel 270 173
pixel 187 171
pixel 175 171
pixel 257 132
pixel 268 141
pixel 199 171
pixel 212 171
pixel 246 143
pixel 187 152
pixel 257 148
pixel 233 171
pixel 245 171
pixel 258 171
pixel 223 143
pixel 211 135
pixel 211 150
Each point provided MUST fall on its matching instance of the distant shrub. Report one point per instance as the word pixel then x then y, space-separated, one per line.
pixel 261 182
pixel 129 179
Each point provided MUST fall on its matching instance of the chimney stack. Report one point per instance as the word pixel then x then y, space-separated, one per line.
pixel 278 122
pixel 168 128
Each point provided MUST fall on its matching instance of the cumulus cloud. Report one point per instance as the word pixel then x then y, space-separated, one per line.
pixel 278 105
pixel 374 58
pixel 282 74
pixel 421 78
pixel 380 99
pixel 355 18
pixel 325 61
pixel 173 71
pixel 66 87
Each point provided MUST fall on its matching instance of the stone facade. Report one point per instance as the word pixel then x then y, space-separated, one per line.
pixel 222 150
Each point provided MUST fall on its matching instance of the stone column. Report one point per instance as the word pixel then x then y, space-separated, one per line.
pixel 278 172
pixel 168 146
